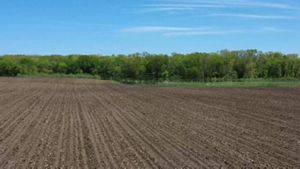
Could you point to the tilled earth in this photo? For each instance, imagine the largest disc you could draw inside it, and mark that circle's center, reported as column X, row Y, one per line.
column 79, row 123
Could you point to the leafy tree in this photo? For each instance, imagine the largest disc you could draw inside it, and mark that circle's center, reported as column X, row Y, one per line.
column 9, row 68
column 223, row 65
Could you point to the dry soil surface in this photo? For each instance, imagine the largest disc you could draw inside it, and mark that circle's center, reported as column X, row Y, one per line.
column 79, row 123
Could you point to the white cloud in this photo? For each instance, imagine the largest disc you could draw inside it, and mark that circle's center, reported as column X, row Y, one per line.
column 185, row 5
column 197, row 31
column 209, row 32
column 161, row 29
column 273, row 29
column 180, row 31
column 253, row 16
column 267, row 5
column 164, row 9
column 197, row 4
column 177, row 7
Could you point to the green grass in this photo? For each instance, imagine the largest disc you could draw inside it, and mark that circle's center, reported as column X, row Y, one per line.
column 237, row 84
column 247, row 83
column 83, row 76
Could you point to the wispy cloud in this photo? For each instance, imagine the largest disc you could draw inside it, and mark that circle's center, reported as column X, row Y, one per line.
column 162, row 29
column 264, row 5
column 185, row 5
column 179, row 31
column 181, row 5
column 204, row 32
column 273, row 29
column 234, row 3
column 177, row 7
column 253, row 16
column 165, row 9
column 194, row 31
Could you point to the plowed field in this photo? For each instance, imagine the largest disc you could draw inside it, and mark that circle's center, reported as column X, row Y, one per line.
column 79, row 123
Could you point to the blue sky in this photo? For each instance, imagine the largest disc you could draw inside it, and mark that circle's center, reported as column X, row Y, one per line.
column 155, row 26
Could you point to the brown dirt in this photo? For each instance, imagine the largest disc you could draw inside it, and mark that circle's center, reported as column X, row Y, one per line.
column 77, row 123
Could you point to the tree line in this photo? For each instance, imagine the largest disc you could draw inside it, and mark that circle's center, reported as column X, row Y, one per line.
column 223, row 65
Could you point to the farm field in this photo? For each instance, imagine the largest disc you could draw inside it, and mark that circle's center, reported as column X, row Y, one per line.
column 80, row 123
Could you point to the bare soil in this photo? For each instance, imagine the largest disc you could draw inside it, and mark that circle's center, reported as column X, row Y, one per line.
column 79, row 123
